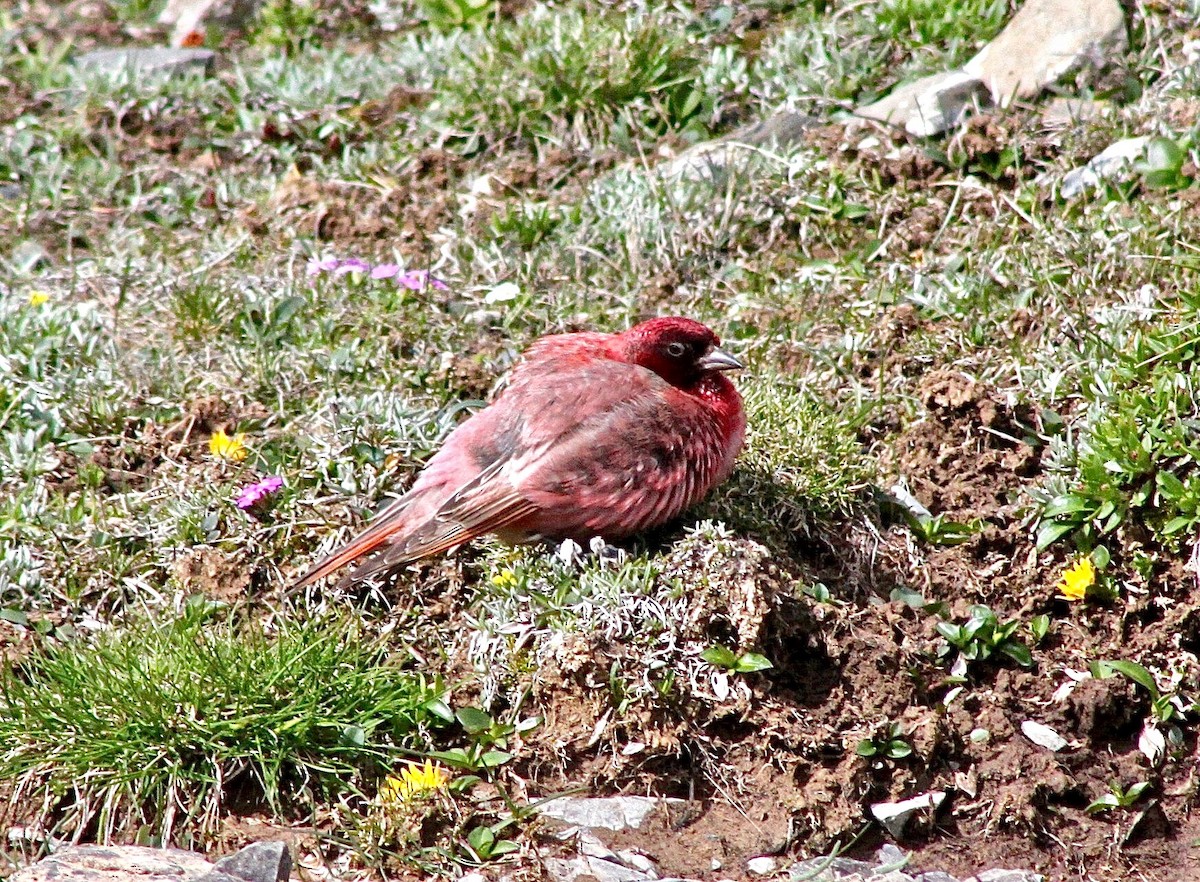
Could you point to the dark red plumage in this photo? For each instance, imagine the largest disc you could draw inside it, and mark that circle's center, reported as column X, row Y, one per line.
column 594, row 435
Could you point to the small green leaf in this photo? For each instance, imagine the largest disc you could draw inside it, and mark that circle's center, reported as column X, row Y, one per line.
column 494, row 758
column 15, row 616
column 353, row 736
column 751, row 662
column 473, row 720
column 1105, row 803
column 1102, row 669
column 1039, row 626
column 720, row 656
column 1018, row 652
column 866, row 748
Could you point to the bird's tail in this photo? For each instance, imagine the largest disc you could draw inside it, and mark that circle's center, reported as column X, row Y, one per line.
column 389, row 523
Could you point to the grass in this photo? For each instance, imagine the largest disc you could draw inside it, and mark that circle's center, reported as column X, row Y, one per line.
column 527, row 150
column 154, row 726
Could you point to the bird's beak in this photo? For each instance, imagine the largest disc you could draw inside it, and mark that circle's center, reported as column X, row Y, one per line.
column 718, row 360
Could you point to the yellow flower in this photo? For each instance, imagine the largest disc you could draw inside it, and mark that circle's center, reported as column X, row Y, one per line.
column 37, row 298
column 1077, row 579
column 505, row 579
column 224, row 447
column 413, row 781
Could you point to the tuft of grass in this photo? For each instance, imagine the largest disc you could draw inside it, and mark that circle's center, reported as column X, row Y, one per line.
column 158, row 725
column 554, row 68
column 802, row 458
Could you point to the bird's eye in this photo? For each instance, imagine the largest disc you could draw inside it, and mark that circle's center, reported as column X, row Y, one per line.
column 676, row 349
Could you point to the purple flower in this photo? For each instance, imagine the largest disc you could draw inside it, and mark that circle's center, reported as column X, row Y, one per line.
column 385, row 271
column 251, row 496
column 352, row 265
column 324, row 265
column 418, row 280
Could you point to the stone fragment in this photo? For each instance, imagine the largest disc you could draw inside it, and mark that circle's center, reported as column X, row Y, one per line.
column 1109, row 163
column 711, row 158
column 605, row 812
column 125, row 863
column 894, row 816
column 147, row 61
column 1006, row 876
column 258, row 862
column 930, row 105
column 1045, row 40
column 764, row 865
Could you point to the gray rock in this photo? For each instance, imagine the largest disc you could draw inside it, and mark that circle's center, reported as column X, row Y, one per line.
column 1061, row 113
column 28, row 256
column 764, row 865
column 822, row 869
column 197, row 16
column 583, row 867
column 605, row 813
column 930, row 105
column 126, row 863
column 894, row 816
column 711, row 158
column 1045, row 40
column 258, row 862
column 1108, row 163
column 147, row 61
column 1006, row 876
column 935, row 876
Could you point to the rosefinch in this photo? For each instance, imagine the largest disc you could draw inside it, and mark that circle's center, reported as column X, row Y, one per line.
column 594, row 435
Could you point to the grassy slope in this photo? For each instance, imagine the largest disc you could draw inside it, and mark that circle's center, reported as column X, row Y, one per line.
column 178, row 218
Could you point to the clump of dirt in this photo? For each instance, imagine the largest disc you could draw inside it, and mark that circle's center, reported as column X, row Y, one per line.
column 404, row 215
column 212, row 573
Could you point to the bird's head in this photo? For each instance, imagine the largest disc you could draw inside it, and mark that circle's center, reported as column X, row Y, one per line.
column 679, row 350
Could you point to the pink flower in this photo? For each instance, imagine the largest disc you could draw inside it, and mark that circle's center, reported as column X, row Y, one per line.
column 251, row 496
column 385, row 271
column 324, row 265
column 418, row 280
column 352, row 265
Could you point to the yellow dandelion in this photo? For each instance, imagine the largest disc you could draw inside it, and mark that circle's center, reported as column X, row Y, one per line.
column 223, row 447
column 37, row 298
column 1077, row 579
column 412, row 782
column 505, row 579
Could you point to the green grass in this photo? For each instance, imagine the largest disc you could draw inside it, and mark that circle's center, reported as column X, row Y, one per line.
column 156, row 724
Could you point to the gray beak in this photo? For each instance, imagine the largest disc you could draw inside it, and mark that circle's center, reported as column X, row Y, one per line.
column 718, row 360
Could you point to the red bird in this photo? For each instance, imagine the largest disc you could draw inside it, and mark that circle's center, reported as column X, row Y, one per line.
column 594, row 435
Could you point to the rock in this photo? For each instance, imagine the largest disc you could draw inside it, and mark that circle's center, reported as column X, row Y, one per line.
column 822, row 869
column 1006, row 876
column 193, row 18
column 1061, row 113
column 588, row 868
column 935, row 876
column 126, row 863
column 1045, row 40
column 764, row 865
column 28, row 256
column 258, row 862
column 894, row 816
column 930, row 105
column 1110, row 162
column 144, row 61
column 711, row 158
column 605, row 813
